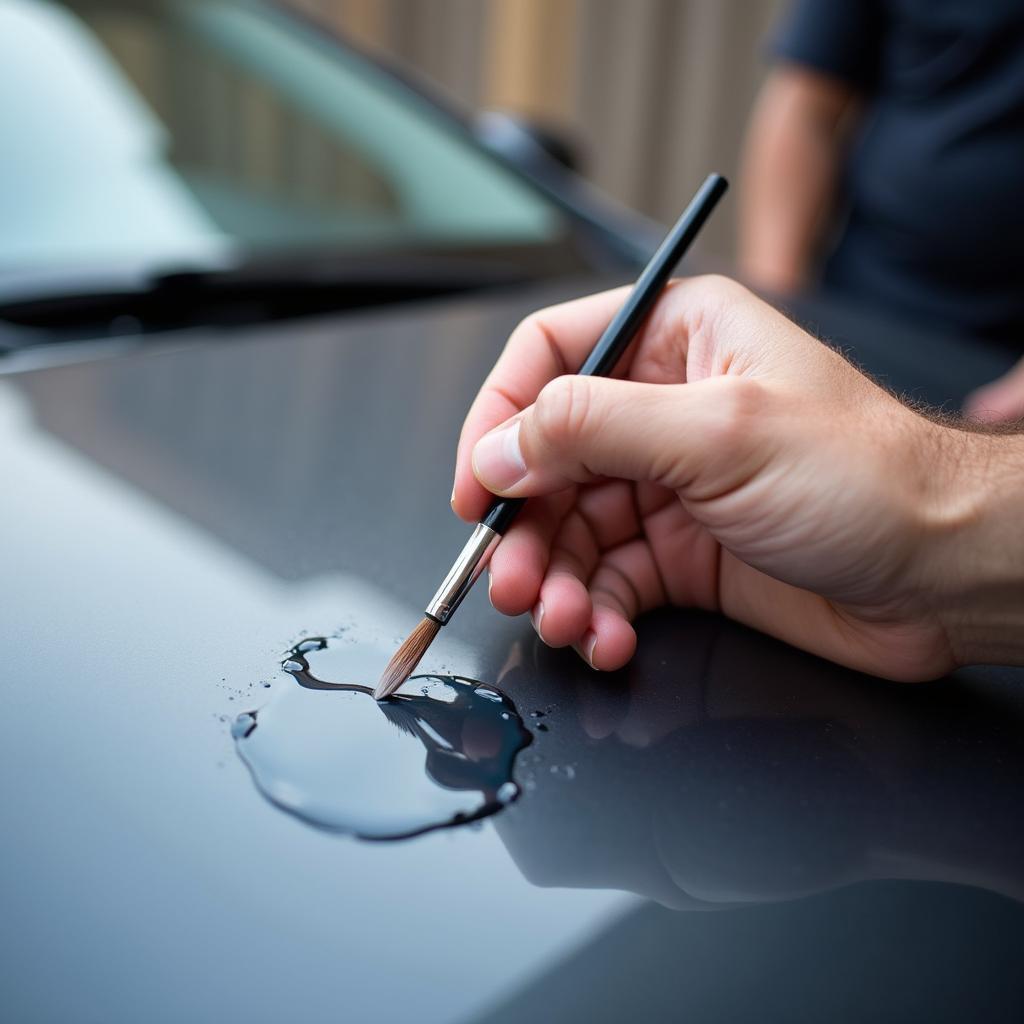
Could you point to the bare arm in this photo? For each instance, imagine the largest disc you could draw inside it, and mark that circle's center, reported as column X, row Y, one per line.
column 790, row 168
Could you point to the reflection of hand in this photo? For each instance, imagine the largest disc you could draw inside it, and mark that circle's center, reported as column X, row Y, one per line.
column 745, row 771
column 999, row 402
column 741, row 466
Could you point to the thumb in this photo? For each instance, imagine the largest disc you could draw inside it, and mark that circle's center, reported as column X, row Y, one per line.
column 683, row 436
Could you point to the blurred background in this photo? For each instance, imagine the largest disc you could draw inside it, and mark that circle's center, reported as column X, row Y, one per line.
column 882, row 150
column 652, row 93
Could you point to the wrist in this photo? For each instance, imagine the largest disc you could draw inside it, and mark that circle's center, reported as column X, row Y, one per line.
column 977, row 548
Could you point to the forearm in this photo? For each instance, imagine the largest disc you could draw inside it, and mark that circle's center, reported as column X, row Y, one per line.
column 982, row 589
column 790, row 170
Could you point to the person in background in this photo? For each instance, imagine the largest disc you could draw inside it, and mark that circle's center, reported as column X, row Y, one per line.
column 885, row 158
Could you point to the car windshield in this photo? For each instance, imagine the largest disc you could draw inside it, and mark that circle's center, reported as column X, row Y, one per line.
column 162, row 133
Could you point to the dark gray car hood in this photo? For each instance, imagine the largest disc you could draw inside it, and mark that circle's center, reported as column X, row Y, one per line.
column 172, row 520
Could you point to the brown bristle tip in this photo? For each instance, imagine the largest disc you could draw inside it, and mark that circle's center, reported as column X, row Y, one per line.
column 406, row 658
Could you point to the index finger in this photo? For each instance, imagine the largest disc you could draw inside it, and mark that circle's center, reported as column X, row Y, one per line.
column 547, row 344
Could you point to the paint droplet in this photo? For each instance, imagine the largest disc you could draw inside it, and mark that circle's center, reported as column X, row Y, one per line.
column 507, row 792
column 243, row 725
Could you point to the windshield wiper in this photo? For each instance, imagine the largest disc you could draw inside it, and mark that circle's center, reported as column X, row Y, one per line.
column 255, row 292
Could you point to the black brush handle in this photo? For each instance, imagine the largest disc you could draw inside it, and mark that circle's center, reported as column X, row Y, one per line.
column 500, row 515
column 612, row 344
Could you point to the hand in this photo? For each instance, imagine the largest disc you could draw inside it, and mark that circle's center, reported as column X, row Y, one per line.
column 738, row 465
column 999, row 402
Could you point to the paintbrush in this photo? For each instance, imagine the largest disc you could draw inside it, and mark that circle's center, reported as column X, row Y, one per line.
column 602, row 360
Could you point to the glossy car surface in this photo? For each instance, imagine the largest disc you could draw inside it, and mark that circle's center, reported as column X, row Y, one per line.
column 727, row 829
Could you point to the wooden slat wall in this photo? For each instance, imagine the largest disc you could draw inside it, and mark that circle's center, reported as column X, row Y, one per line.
column 657, row 91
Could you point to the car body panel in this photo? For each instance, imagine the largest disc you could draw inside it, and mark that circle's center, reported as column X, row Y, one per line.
column 174, row 519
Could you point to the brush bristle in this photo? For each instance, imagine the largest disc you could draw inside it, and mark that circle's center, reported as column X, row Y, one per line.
column 407, row 657
column 399, row 715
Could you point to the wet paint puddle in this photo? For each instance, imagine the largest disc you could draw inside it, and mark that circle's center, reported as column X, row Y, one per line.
column 439, row 753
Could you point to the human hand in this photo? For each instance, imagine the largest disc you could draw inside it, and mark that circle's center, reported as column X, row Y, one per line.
column 999, row 402
column 736, row 464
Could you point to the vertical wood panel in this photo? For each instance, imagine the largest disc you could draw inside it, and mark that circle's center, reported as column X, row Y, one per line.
column 531, row 57
column 616, row 104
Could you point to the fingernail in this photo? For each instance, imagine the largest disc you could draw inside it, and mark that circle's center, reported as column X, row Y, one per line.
column 538, row 618
column 490, row 583
column 451, row 500
column 586, row 647
column 498, row 460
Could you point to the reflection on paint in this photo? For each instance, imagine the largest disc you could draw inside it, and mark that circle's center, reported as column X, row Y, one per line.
column 330, row 754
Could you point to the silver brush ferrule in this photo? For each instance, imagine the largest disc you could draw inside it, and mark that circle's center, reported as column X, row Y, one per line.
column 463, row 574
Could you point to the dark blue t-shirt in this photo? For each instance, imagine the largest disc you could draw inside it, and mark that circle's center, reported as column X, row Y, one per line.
column 934, row 187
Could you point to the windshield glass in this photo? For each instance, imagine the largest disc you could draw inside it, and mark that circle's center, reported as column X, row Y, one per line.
column 162, row 132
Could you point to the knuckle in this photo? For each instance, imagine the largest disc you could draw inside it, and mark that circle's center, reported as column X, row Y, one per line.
column 527, row 323
column 739, row 405
column 563, row 410
column 533, row 323
column 720, row 288
column 530, row 326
